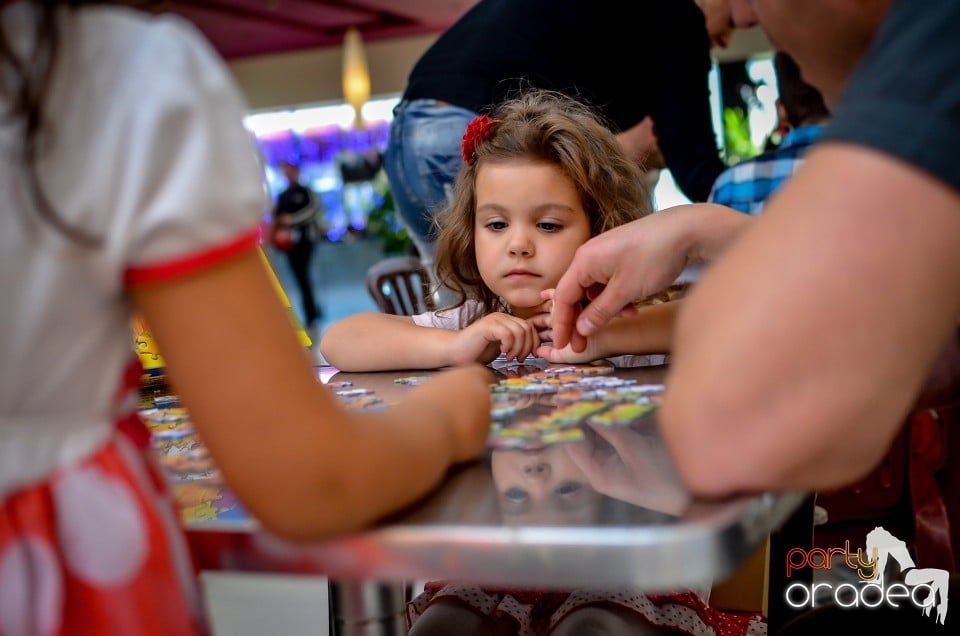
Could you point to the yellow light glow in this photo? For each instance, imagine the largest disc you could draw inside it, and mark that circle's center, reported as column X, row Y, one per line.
column 356, row 74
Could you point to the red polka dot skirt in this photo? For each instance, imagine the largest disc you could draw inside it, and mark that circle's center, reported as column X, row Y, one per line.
column 96, row 549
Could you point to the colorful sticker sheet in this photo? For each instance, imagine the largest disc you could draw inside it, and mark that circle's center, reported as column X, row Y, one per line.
column 195, row 480
column 551, row 405
column 533, row 405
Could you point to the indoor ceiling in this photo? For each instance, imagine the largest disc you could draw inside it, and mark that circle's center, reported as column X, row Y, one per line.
column 241, row 28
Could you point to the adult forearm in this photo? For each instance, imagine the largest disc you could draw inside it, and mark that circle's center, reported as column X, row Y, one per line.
column 712, row 229
column 798, row 355
column 942, row 386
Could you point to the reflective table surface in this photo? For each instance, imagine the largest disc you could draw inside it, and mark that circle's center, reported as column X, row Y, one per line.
column 604, row 510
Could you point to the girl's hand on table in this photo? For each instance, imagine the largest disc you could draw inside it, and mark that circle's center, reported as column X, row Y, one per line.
column 542, row 319
column 494, row 334
column 463, row 395
column 566, row 355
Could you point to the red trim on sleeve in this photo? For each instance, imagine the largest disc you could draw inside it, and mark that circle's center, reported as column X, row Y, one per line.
column 189, row 264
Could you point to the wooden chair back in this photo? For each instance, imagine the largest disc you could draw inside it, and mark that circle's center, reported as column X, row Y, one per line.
column 400, row 286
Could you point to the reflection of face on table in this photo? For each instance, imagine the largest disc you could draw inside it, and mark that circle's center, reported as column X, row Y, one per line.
column 574, row 482
column 577, row 483
column 563, row 483
column 543, row 486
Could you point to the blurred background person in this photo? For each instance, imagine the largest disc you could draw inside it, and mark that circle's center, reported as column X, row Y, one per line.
column 294, row 230
column 803, row 114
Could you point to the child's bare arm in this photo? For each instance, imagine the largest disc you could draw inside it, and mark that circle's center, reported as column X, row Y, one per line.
column 649, row 330
column 371, row 341
column 380, row 342
column 304, row 467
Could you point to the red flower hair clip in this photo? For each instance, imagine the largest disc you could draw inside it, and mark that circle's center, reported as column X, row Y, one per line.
column 480, row 129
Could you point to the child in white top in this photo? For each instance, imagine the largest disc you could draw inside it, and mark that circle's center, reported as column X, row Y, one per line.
column 129, row 183
column 541, row 176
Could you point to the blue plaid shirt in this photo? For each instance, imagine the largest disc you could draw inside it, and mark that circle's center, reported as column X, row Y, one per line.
column 747, row 185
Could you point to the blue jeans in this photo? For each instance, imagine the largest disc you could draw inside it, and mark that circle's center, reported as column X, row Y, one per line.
column 421, row 162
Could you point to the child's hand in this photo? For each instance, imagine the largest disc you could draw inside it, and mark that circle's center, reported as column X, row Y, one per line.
column 464, row 395
column 592, row 351
column 494, row 334
column 542, row 320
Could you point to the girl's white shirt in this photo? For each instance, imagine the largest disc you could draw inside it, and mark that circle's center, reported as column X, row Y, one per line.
column 147, row 151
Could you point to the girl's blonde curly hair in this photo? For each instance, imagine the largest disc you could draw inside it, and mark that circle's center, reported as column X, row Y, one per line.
column 551, row 128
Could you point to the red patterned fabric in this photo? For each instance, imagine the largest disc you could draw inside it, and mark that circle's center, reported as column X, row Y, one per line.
column 540, row 612
column 96, row 549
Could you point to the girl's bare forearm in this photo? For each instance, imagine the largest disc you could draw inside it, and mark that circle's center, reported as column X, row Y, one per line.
column 381, row 342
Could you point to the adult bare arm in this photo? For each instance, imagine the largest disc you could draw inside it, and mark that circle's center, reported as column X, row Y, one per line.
column 636, row 260
column 641, row 144
column 942, row 387
column 804, row 381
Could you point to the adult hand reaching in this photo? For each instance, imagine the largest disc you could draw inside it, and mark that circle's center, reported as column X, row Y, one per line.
column 634, row 261
column 543, row 321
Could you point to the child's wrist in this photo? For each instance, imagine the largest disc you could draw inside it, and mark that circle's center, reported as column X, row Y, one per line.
column 446, row 348
column 600, row 342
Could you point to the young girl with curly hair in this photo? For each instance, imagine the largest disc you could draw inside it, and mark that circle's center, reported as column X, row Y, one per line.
column 541, row 176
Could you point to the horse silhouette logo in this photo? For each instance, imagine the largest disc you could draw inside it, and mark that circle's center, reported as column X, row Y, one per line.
column 885, row 546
